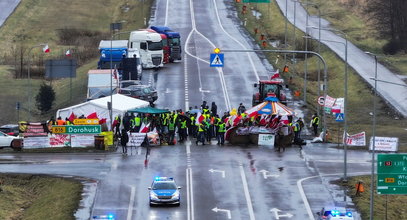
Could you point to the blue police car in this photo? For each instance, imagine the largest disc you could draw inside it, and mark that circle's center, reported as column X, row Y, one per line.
column 164, row 190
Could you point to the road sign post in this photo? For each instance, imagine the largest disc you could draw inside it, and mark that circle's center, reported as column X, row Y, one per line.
column 392, row 174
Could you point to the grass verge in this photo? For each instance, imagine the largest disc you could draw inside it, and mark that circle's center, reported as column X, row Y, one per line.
column 360, row 95
column 396, row 208
column 39, row 21
column 35, row 197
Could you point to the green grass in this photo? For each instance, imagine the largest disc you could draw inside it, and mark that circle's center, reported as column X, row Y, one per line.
column 396, row 208
column 360, row 96
column 34, row 197
column 360, row 30
column 39, row 21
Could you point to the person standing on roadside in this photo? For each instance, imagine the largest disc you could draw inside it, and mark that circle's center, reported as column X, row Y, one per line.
column 315, row 123
column 124, row 139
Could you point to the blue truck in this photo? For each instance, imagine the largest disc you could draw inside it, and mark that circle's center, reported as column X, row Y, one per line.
column 128, row 63
column 174, row 39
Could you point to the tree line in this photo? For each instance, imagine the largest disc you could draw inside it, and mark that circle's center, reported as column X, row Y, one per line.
column 390, row 19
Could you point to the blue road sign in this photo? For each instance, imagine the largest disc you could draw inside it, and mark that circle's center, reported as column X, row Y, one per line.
column 339, row 117
column 216, row 60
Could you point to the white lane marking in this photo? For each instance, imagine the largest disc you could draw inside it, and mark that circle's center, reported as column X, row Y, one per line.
column 192, row 195
column 216, row 209
column 188, row 196
column 188, row 150
column 186, row 83
column 304, row 197
column 166, row 14
column 220, row 71
column 277, row 216
column 131, row 203
column 246, row 193
column 267, row 174
column 150, row 79
column 218, row 171
column 248, row 55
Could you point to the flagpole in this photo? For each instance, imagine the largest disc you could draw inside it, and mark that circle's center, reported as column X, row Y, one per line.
column 29, row 79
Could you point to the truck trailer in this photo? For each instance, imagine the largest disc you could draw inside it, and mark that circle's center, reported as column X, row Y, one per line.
column 174, row 39
column 150, row 46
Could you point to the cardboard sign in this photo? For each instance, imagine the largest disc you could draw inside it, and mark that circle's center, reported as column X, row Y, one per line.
column 266, row 139
column 136, row 139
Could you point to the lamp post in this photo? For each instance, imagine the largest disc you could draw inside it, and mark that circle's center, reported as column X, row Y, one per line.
column 29, row 79
column 374, row 138
column 285, row 32
column 345, row 130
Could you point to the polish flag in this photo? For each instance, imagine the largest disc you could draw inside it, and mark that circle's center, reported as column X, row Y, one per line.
column 276, row 75
column 144, row 128
column 68, row 53
column 102, row 121
column 93, row 115
column 72, row 117
column 46, row 49
column 115, row 72
column 237, row 120
column 199, row 118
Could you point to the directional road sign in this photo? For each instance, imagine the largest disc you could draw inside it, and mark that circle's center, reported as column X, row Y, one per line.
column 392, row 173
column 339, row 117
column 216, row 60
column 76, row 129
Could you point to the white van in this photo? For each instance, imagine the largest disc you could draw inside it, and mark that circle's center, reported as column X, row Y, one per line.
column 150, row 47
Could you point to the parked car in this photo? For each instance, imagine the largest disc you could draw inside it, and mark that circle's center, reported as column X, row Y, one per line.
column 7, row 140
column 10, row 129
column 127, row 83
column 143, row 92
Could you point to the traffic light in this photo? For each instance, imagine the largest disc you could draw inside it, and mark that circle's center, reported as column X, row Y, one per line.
column 285, row 69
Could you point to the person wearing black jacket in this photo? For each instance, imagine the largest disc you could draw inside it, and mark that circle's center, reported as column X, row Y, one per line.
column 124, row 140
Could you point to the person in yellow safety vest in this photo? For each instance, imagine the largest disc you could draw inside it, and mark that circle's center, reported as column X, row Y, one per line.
column 183, row 130
column 192, row 127
column 67, row 122
column 201, row 133
column 315, row 123
column 171, row 130
column 297, row 130
column 136, row 123
column 221, row 133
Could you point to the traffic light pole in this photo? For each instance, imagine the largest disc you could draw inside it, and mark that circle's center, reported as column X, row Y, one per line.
column 299, row 52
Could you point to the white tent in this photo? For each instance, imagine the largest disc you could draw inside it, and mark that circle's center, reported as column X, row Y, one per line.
column 121, row 104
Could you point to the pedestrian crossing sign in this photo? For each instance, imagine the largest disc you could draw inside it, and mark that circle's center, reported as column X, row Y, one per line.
column 216, row 60
column 339, row 117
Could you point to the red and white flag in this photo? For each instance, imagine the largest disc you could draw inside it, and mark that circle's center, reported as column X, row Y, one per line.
column 199, row 118
column 115, row 72
column 144, row 128
column 93, row 115
column 68, row 53
column 46, row 49
column 276, row 74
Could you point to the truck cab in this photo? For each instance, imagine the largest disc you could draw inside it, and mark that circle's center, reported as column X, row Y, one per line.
column 174, row 39
column 150, row 46
column 114, row 51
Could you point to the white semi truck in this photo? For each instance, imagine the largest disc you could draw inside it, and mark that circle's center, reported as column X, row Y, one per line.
column 150, row 47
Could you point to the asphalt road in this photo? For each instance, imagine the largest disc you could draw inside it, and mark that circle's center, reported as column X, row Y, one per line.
column 7, row 7
column 364, row 64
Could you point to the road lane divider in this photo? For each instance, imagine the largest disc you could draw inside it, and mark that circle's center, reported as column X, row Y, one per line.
column 190, row 195
column 131, row 203
column 246, row 193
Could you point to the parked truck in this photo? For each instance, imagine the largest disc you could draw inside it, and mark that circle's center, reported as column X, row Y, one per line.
column 127, row 61
column 174, row 39
column 150, row 46
column 101, row 83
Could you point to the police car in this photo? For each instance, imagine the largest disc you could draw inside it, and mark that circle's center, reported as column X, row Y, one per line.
column 335, row 213
column 164, row 190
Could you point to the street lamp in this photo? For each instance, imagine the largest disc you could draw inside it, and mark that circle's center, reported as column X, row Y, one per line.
column 29, row 79
column 345, row 129
column 374, row 137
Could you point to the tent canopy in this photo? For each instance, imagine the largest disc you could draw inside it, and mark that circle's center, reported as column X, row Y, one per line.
column 270, row 106
column 120, row 105
column 149, row 110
